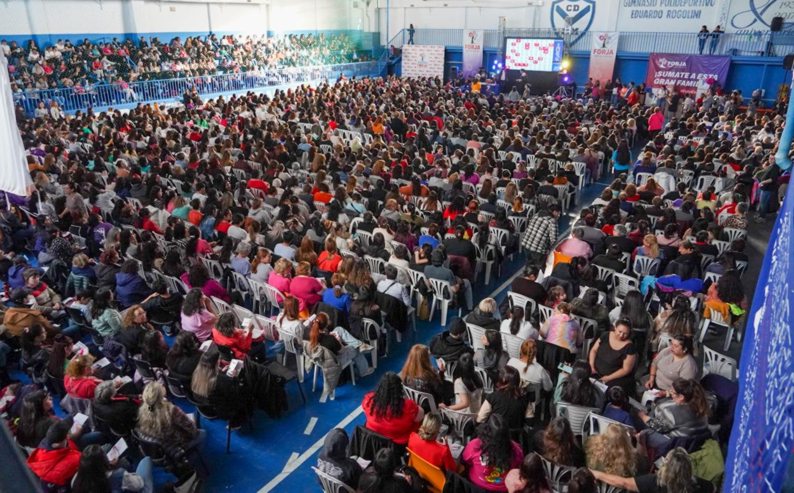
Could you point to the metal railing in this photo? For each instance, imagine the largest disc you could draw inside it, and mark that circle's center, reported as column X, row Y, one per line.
column 754, row 43
column 103, row 95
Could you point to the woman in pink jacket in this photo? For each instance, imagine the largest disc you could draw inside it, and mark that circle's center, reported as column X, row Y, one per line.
column 307, row 289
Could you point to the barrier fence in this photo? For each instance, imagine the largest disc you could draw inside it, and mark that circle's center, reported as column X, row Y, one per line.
column 103, row 95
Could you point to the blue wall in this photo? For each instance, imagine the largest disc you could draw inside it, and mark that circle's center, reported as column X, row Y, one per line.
column 746, row 73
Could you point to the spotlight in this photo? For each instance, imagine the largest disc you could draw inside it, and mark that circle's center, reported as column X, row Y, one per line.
column 566, row 79
column 566, row 63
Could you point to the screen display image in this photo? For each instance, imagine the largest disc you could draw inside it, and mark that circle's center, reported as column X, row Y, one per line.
column 537, row 55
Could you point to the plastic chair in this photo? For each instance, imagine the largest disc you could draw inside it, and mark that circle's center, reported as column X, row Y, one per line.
column 522, row 301
column 433, row 476
column 371, row 328
column 512, row 344
column 734, row 234
column 645, row 266
column 376, row 265
column 220, row 306
column 623, row 284
column 575, row 415
column 544, row 313
column 442, row 294
column 330, row 484
column 559, row 476
column 487, row 383
column 476, row 334
column 719, row 364
column 421, row 398
column 595, row 424
column 293, row 345
column 462, row 423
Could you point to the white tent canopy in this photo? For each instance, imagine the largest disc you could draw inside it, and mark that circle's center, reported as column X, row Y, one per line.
column 14, row 174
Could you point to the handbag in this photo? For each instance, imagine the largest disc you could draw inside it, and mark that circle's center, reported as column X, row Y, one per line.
column 424, row 310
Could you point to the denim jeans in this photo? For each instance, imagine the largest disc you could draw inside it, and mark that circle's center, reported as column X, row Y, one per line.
column 764, row 199
column 144, row 470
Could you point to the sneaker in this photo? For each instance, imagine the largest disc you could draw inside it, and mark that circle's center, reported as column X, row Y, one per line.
column 369, row 371
column 364, row 348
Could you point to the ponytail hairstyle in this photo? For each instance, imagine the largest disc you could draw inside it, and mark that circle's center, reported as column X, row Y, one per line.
column 320, row 324
column 693, row 394
column 529, row 350
column 337, row 281
column 516, row 319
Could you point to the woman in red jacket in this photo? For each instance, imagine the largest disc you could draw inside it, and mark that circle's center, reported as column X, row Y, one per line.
column 79, row 380
column 389, row 413
column 57, row 459
column 226, row 334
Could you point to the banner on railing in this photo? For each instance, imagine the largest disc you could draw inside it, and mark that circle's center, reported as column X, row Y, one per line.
column 423, row 61
column 686, row 73
column 763, row 430
column 602, row 56
column 472, row 51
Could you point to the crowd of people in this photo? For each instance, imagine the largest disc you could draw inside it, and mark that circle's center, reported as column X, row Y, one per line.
column 323, row 220
column 83, row 65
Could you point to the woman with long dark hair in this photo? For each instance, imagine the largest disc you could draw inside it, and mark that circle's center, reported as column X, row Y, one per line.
column 492, row 454
column 577, row 389
column 492, row 358
column 98, row 475
column 558, row 444
column 508, row 399
column 381, row 475
column 683, row 414
column 35, row 418
column 199, row 277
column 467, row 385
column 389, row 413
column 529, row 477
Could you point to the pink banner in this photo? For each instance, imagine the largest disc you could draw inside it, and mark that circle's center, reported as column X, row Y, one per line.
column 602, row 56
column 472, row 51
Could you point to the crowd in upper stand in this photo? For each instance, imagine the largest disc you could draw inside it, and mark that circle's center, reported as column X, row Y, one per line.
column 82, row 65
column 322, row 221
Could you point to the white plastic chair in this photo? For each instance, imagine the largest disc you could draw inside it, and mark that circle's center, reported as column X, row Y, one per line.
column 460, row 421
column 293, row 345
column 595, row 424
column 574, row 414
column 645, row 266
column 719, row 364
column 522, row 301
column 558, row 475
column 442, row 294
column 376, row 265
column 544, row 313
column 221, row 306
column 421, row 398
column 512, row 344
column 476, row 334
column 735, row 234
column 623, row 284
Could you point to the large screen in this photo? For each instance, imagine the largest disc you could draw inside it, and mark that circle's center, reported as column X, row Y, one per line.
column 537, row 55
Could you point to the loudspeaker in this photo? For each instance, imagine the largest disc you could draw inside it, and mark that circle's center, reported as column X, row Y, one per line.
column 788, row 61
column 777, row 24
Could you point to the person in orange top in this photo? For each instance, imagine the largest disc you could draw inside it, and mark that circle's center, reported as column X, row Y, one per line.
column 323, row 194
column 226, row 334
column 329, row 259
column 194, row 216
column 415, row 189
column 377, row 126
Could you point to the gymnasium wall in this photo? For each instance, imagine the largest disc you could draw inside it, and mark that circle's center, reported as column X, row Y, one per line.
column 46, row 21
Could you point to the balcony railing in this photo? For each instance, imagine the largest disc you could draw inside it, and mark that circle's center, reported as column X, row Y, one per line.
column 753, row 43
column 103, row 95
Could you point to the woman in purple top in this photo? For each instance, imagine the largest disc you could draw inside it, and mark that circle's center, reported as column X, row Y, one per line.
column 199, row 277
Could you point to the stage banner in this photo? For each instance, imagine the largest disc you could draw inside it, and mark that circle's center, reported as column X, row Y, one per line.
column 423, row 61
column 763, row 429
column 602, row 56
column 472, row 51
column 686, row 73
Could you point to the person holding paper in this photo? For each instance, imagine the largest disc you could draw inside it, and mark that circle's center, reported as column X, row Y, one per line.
column 98, row 473
column 117, row 410
column 197, row 315
column 214, row 387
column 226, row 334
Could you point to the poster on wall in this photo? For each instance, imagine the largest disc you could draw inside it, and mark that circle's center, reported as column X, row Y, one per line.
column 602, row 56
column 686, row 73
column 472, row 51
column 423, row 61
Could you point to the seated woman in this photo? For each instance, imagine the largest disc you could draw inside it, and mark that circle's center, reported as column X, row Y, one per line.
column 389, row 413
column 334, row 461
column 105, row 318
column 197, row 315
column 35, row 356
column 485, row 315
column 281, row 275
column 226, row 334
column 183, row 357
column 617, row 407
column 529, row 370
column 213, row 387
column 97, row 473
column 119, row 411
column 611, row 452
column 382, row 477
column 684, row 414
column 562, row 330
column 329, row 259
column 509, row 400
column 493, row 358
column 35, row 419
column 79, row 380
column 343, row 348
column 613, row 357
column 335, row 295
column 588, row 306
column 134, row 326
column 518, row 325
column 130, row 286
column 418, row 373
column 165, row 423
column 426, row 444
column 577, row 389
column 289, row 321
column 529, row 477
column 671, row 363
column 675, row 474
column 726, row 297
column 199, row 277
column 467, row 386
column 306, row 288
column 491, row 455
column 558, row 444
column 154, row 349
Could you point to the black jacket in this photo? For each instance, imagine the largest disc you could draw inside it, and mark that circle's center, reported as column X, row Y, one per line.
column 486, row 321
column 685, row 266
column 121, row 414
column 448, row 348
column 106, row 276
